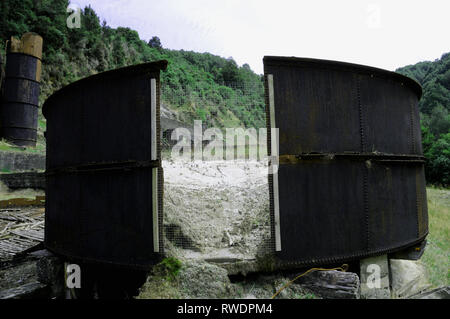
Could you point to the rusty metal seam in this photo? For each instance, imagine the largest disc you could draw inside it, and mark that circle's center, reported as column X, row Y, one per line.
column 361, row 117
column 155, row 209
column 269, row 153
column 350, row 257
column 366, row 170
column 274, row 154
column 366, row 205
column 378, row 157
column 161, row 207
column 160, row 169
column 411, row 123
column 5, row 102
column 153, row 121
column 266, row 98
column 99, row 167
column 22, row 78
column 418, row 204
column 158, row 114
column 25, row 54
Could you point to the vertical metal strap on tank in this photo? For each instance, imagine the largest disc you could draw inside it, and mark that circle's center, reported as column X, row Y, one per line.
column 274, row 162
column 155, row 209
column 154, row 156
column 154, row 149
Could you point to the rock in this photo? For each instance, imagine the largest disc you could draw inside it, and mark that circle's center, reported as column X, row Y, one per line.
column 374, row 274
column 27, row 291
column 408, row 278
column 167, row 113
column 36, row 275
column 438, row 293
column 50, row 270
column 195, row 279
column 238, row 267
column 203, row 280
column 17, row 274
column 332, row 284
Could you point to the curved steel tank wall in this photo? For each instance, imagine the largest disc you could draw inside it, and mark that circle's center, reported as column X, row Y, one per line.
column 103, row 168
column 19, row 112
column 350, row 181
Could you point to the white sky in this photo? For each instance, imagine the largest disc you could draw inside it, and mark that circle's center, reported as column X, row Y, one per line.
column 385, row 34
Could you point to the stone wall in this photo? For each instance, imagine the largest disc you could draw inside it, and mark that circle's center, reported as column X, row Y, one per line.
column 33, row 180
column 19, row 161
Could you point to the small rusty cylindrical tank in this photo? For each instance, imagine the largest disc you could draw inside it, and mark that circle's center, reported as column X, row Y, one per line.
column 350, row 176
column 19, row 112
column 103, row 168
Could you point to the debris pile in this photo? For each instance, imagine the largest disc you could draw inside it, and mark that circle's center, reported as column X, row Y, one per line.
column 20, row 229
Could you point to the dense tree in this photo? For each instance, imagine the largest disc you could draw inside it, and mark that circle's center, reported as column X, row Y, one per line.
column 435, row 80
column 438, row 160
column 435, row 115
column 155, row 42
column 194, row 82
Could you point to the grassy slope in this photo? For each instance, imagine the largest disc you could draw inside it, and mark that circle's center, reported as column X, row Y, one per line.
column 437, row 254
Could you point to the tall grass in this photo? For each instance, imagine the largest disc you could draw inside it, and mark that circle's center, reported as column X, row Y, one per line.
column 437, row 253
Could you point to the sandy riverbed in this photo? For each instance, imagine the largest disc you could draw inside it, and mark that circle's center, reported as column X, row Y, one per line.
column 216, row 209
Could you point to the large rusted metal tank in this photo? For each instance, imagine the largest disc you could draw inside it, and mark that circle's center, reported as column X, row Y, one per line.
column 350, row 181
column 19, row 111
column 103, row 168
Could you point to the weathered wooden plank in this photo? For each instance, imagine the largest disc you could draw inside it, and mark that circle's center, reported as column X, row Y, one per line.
column 332, row 284
column 29, row 234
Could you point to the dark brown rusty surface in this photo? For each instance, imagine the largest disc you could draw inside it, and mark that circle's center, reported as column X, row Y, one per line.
column 323, row 109
column 106, row 118
column 19, row 111
column 99, row 152
column 351, row 177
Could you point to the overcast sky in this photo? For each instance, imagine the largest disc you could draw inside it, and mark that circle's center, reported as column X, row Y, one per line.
column 385, row 34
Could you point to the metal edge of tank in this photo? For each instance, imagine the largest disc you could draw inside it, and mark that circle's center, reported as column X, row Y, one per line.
column 344, row 66
column 332, row 260
column 76, row 258
column 143, row 68
column 53, row 102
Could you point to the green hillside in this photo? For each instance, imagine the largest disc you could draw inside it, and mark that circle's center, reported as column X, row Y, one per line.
column 196, row 85
column 435, row 115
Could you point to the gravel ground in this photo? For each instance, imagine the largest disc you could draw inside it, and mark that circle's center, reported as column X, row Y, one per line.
column 216, row 210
